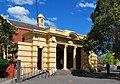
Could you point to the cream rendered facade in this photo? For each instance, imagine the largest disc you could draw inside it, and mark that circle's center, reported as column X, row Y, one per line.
column 48, row 40
column 51, row 49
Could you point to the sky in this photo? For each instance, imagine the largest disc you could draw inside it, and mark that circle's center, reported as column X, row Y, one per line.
column 71, row 15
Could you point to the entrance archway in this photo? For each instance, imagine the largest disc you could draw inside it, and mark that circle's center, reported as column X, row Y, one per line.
column 59, row 56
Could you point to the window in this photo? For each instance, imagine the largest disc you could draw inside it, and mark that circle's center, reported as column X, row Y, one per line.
column 23, row 39
column 41, row 20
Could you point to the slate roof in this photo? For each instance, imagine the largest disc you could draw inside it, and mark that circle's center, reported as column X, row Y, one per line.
column 24, row 25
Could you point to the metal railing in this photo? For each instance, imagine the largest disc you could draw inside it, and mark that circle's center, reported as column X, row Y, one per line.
column 26, row 72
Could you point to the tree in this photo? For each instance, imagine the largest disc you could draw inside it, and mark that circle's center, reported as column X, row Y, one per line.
column 7, row 30
column 109, row 58
column 104, row 36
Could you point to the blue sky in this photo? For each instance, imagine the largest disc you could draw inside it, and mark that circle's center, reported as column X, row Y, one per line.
column 72, row 15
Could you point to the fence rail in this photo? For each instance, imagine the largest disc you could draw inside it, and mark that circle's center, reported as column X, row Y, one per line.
column 26, row 72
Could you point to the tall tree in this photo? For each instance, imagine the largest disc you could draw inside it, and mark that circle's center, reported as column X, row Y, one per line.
column 7, row 30
column 105, row 33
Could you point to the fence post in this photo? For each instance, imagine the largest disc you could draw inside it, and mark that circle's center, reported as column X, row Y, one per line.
column 18, row 70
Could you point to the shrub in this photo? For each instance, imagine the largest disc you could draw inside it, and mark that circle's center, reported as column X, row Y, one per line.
column 3, row 65
column 99, row 69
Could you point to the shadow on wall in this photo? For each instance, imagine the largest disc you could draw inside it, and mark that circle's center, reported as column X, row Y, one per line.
column 103, row 75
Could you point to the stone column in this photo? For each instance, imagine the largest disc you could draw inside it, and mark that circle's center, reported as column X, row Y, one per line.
column 74, row 57
column 65, row 58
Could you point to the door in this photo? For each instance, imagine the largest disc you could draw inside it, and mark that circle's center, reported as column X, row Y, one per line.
column 39, row 59
column 70, row 57
column 59, row 58
column 78, row 58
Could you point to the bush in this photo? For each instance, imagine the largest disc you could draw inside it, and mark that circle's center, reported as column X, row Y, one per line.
column 99, row 69
column 3, row 65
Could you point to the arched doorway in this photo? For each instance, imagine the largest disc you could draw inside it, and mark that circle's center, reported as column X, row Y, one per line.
column 59, row 57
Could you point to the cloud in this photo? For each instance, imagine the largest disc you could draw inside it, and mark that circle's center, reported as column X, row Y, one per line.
column 42, row 2
column 21, row 15
column 7, row 16
column 88, row 19
column 22, row 2
column 53, row 18
column 26, row 19
column 14, row 10
column 86, row 5
column 50, row 21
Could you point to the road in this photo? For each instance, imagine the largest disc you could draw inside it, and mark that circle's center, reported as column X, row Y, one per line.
column 70, row 79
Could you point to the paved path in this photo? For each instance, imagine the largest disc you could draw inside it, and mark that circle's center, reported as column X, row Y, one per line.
column 74, row 77
column 70, row 79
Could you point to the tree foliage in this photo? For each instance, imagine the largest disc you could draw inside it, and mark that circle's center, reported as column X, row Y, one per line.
column 7, row 30
column 3, row 63
column 109, row 58
column 105, row 33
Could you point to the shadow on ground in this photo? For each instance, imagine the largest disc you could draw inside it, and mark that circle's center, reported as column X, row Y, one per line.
column 103, row 75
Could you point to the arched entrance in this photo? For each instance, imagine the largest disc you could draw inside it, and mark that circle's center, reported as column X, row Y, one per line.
column 59, row 56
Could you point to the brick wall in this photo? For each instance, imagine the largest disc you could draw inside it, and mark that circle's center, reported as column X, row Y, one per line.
column 18, row 38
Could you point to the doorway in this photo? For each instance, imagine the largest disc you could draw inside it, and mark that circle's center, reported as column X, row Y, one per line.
column 59, row 56
column 78, row 58
column 70, row 57
column 39, row 59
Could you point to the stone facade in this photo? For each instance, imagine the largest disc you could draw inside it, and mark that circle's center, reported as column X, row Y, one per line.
column 52, row 49
column 49, row 48
column 50, row 41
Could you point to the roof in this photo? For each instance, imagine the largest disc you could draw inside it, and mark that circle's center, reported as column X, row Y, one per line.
column 41, row 15
column 25, row 25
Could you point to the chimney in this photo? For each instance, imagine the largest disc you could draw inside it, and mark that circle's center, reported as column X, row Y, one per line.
column 40, row 20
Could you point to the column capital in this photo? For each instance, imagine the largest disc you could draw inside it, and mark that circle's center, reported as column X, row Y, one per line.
column 66, row 45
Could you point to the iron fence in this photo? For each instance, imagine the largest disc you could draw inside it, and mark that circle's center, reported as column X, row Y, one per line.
column 26, row 72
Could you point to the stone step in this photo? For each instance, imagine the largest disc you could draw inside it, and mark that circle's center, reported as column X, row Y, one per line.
column 63, row 72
